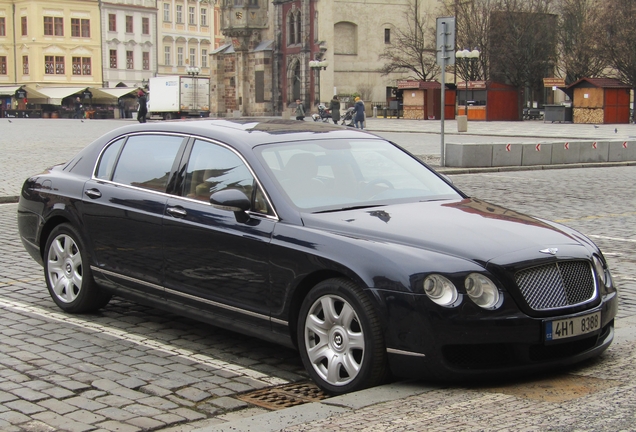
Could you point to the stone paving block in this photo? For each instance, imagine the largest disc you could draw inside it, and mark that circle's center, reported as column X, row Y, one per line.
column 228, row 403
column 143, row 410
column 73, row 385
column 85, row 403
column 157, row 402
column 29, row 394
column 6, row 397
column 155, row 390
column 24, row 407
column 131, row 383
column 115, row 401
column 14, row 417
column 57, row 406
column 118, row 426
column 84, row 416
column 62, row 422
column 116, row 414
column 169, row 418
column 58, row 393
column 193, row 394
column 188, row 414
column 146, row 423
column 594, row 151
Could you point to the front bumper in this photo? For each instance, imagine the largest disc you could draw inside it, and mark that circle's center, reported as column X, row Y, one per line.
column 469, row 343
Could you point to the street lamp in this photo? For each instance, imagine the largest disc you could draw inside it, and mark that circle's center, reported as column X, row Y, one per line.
column 317, row 65
column 469, row 57
column 193, row 71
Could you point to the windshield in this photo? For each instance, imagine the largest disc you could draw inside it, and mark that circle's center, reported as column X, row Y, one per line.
column 341, row 174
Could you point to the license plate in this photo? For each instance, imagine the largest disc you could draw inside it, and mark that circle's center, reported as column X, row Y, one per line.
column 571, row 327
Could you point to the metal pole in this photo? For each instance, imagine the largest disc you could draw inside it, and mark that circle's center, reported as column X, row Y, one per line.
column 466, row 101
column 443, row 96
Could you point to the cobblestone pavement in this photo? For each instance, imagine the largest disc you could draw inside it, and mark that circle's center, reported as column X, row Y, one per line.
column 132, row 368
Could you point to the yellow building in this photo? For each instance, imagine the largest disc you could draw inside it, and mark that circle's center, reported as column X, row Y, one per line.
column 46, row 44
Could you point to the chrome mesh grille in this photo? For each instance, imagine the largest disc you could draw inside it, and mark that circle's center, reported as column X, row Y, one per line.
column 557, row 285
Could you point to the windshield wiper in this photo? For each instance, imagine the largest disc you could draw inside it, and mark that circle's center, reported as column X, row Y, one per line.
column 349, row 208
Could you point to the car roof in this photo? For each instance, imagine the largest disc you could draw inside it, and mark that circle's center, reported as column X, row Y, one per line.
column 247, row 133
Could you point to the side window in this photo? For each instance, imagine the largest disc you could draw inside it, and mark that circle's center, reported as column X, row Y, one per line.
column 146, row 161
column 212, row 168
column 107, row 162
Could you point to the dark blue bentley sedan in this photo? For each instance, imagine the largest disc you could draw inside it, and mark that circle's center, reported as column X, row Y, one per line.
column 328, row 239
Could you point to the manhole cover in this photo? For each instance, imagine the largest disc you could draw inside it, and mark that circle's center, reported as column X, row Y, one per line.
column 284, row 396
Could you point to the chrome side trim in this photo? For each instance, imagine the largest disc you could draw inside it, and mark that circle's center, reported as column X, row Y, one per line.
column 408, row 353
column 191, row 297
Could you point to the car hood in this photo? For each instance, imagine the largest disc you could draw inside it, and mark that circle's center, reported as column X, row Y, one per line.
column 467, row 228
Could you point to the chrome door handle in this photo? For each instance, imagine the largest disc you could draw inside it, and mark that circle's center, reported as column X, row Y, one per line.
column 177, row 212
column 93, row 193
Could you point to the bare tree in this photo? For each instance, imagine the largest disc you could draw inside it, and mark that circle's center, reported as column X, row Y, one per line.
column 619, row 19
column 413, row 50
column 581, row 52
column 523, row 45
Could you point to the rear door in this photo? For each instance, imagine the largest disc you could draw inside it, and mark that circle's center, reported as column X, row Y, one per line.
column 124, row 205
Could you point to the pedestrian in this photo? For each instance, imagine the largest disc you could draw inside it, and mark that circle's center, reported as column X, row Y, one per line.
column 358, row 116
column 78, row 108
column 334, row 107
column 122, row 108
column 300, row 110
column 143, row 110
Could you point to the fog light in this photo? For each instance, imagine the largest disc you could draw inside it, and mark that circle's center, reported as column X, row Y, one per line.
column 482, row 291
column 440, row 290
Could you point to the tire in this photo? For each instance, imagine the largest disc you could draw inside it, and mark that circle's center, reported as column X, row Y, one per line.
column 340, row 338
column 168, row 116
column 68, row 275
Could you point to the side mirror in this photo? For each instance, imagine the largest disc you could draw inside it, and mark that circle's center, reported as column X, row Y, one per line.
column 232, row 200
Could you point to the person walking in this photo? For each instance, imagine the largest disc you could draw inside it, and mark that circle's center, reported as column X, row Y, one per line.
column 334, row 107
column 300, row 110
column 78, row 108
column 143, row 110
column 122, row 108
column 358, row 116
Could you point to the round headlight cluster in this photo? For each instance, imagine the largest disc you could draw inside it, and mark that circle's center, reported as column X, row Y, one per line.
column 482, row 291
column 600, row 269
column 440, row 290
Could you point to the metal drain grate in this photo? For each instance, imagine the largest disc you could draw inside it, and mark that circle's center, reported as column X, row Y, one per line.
column 284, row 396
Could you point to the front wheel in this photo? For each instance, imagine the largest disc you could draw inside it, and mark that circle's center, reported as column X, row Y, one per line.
column 68, row 274
column 340, row 338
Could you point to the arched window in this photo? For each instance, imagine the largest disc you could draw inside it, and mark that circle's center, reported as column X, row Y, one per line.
column 316, row 26
column 291, row 29
column 346, row 33
column 299, row 27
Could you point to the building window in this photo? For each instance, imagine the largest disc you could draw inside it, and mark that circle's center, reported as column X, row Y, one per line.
column 75, row 27
column 145, row 60
column 80, row 28
column 180, row 56
column 25, row 65
column 145, row 26
column 54, row 65
column 387, row 36
column 58, row 23
column 129, row 24
column 204, row 17
column 3, row 65
column 48, row 26
column 53, row 26
column 23, row 22
column 113, row 59
column 253, row 2
column 86, row 66
column 166, row 55
column 204, row 58
column 316, row 27
column 112, row 22
column 259, row 86
column 298, row 28
column 179, row 14
column 291, row 29
column 166, row 12
column 3, row 29
column 193, row 57
column 130, row 64
column 191, row 16
column 86, row 28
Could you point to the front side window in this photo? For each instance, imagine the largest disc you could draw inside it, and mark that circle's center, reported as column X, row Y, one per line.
column 58, row 23
column 204, row 58
column 213, row 168
column 54, row 65
column 145, row 161
column 108, row 159
column 86, row 28
column 48, row 26
column 193, row 56
column 75, row 27
column 81, row 65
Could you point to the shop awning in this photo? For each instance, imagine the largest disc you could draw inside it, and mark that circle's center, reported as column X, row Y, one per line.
column 8, row 90
column 52, row 95
column 111, row 95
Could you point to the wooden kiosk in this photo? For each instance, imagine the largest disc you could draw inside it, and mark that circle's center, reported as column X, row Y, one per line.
column 600, row 100
column 422, row 100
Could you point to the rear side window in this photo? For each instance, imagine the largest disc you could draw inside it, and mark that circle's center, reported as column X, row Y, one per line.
column 107, row 162
column 146, row 161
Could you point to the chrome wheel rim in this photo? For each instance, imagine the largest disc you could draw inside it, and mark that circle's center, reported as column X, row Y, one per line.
column 334, row 340
column 64, row 268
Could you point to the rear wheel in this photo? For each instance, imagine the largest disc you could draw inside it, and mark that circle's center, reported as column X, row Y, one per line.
column 340, row 338
column 167, row 116
column 68, row 274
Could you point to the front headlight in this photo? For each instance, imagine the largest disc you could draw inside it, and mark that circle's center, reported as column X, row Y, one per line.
column 600, row 269
column 440, row 290
column 482, row 291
